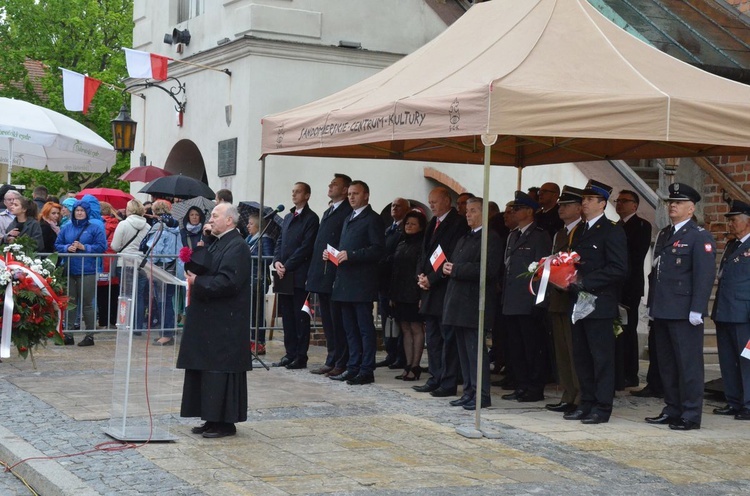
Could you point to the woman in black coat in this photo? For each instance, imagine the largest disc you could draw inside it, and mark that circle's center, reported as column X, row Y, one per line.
column 404, row 293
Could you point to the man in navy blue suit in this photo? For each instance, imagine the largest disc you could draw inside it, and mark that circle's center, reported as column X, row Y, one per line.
column 294, row 250
column 732, row 314
column 356, row 286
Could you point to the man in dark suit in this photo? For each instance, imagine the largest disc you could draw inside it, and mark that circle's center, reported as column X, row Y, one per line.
column 569, row 208
column 444, row 230
column 461, row 311
column 294, row 250
column 732, row 314
column 216, row 339
column 356, row 285
column 638, row 234
column 601, row 271
column 322, row 273
column 527, row 243
column 461, row 202
column 681, row 282
column 395, row 358
column 547, row 216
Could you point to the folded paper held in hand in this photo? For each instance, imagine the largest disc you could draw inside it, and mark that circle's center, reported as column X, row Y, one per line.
column 437, row 258
column 333, row 254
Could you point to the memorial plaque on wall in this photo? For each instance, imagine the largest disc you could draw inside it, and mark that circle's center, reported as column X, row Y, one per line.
column 228, row 157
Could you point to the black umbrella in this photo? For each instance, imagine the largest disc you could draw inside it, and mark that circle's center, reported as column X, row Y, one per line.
column 179, row 187
column 179, row 209
column 247, row 208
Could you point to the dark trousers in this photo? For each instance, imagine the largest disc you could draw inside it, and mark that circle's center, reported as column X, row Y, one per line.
column 680, row 348
column 626, row 348
column 594, row 353
column 106, row 304
column 258, row 313
column 296, row 324
column 653, row 378
column 466, row 344
column 360, row 335
column 394, row 347
column 333, row 327
column 735, row 370
column 527, row 343
column 562, row 334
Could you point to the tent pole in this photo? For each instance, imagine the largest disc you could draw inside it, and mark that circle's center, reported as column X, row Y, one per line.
column 260, row 298
column 519, row 177
column 488, row 141
column 10, row 157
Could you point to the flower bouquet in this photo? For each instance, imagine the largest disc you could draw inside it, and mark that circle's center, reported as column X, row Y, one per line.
column 33, row 295
column 558, row 269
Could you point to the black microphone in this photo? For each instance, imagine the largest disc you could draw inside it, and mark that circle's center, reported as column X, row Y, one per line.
column 270, row 215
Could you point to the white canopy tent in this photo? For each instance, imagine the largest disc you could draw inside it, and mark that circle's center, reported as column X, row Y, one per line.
column 539, row 82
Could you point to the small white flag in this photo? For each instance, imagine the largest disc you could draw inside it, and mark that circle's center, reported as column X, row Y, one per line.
column 307, row 309
column 437, row 258
column 746, row 352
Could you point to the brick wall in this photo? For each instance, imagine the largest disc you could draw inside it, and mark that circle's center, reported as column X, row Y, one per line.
column 714, row 206
column 741, row 5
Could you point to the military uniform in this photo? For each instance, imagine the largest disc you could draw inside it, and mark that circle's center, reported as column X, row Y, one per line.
column 681, row 281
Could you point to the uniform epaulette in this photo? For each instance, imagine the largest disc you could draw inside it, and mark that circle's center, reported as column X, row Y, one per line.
column 700, row 228
column 539, row 228
column 612, row 222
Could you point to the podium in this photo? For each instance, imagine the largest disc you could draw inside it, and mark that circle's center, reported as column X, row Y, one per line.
column 145, row 387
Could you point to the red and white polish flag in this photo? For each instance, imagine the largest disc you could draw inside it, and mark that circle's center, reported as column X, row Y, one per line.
column 78, row 90
column 307, row 308
column 146, row 65
column 437, row 258
column 746, row 352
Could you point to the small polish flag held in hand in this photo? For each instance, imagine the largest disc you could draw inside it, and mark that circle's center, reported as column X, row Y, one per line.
column 437, row 258
column 146, row 65
column 307, row 308
column 78, row 90
column 746, row 352
column 333, row 254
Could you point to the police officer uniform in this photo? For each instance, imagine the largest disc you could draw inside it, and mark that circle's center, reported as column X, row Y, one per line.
column 731, row 313
column 681, row 281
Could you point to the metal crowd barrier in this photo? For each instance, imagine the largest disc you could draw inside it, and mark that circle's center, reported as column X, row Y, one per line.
column 103, row 289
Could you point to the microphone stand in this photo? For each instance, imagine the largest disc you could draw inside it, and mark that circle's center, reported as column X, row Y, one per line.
column 260, row 277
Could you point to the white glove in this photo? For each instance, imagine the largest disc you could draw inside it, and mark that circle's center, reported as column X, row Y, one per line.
column 695, row 318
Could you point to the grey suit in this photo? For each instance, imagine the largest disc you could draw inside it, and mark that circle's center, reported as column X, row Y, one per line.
column 731, row 313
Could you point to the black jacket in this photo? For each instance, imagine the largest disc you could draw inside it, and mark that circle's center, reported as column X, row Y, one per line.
column 462, row 294
column 638, row 234
column 363, row 240
column 447, row 235
column 530, row 246
column 294, row 247
column 403, row 284
column 321, row 274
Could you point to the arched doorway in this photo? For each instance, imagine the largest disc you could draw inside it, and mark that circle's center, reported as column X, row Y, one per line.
column 185, row 158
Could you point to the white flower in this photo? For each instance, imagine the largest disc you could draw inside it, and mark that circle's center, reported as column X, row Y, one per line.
column 533, row 266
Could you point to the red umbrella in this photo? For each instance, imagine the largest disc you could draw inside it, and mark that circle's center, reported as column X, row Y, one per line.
column 118, row 199
column 144, row 174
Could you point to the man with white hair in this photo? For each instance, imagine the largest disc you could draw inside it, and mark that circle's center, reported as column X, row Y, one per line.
column 216, row 338
column 5, row 216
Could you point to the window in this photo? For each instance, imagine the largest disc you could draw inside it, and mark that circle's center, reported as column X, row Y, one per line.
column 187, row 9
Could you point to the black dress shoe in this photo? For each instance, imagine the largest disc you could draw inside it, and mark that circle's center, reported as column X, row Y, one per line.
column 560, row 407
column 202, row 428
column 68, row 340
column 647, row 392
column 631, row 382
column 361, row 379
column 297, row 364
column 425, row 388
column 662, row 419
column 384, row 363
column 472, row 404
column 743, row 414
column 282, row 363
column 530, row 398
column 322, row 370
column 220, row 430
column 505, row 384
column 462, row 400
column 594, row 418
column 514, row 395
column 576, row 415
column 442, row 393
column 727, row 410
column 344, row 376
column 87, row 341
column 684, row 425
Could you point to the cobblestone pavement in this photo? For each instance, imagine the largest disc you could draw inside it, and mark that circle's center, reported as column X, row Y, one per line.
column 309, row 435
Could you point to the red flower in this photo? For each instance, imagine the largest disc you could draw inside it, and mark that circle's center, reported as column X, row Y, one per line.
column 185, row 254
column 23, row 349
column 50, row 334
column 16, row 317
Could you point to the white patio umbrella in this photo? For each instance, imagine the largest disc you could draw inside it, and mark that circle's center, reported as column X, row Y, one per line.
column 33, row 136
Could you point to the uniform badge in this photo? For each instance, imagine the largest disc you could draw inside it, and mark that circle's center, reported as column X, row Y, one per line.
column 708, row 247
column 678, row 261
